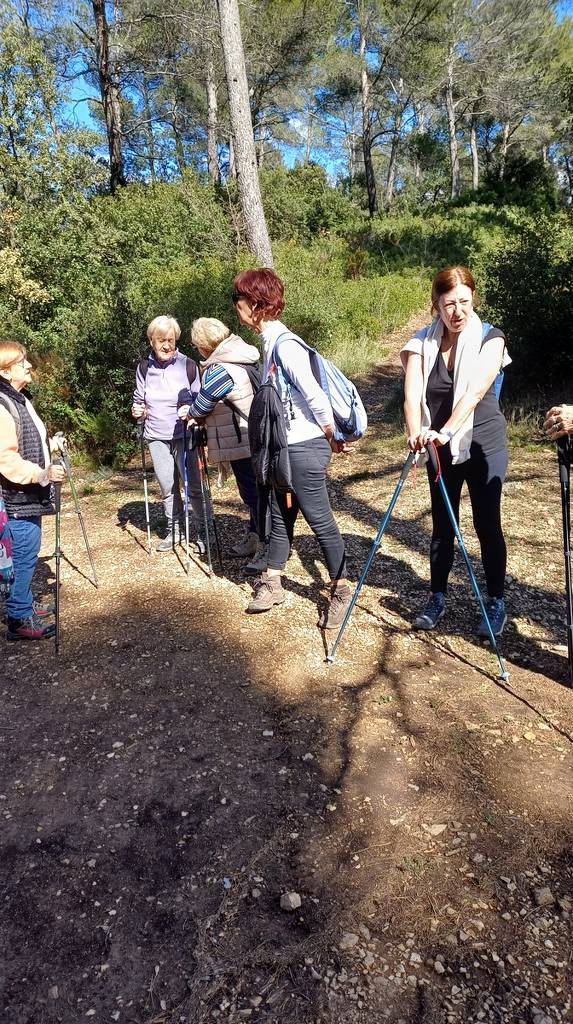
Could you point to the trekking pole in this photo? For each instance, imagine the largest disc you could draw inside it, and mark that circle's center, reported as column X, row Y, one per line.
column 58, row 557
column 59, row 439
column 145, row 492
column 564, row 463
column 186, row 496
column 203, row 456
column 435, row 461
column 412, row 458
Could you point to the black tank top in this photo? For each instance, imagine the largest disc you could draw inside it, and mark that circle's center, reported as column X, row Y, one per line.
column 489, row 430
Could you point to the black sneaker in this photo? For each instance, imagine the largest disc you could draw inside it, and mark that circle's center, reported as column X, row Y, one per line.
column 30, row 629
column 432, row 613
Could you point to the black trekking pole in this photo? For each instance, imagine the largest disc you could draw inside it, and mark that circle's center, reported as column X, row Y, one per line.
column 412, row 458
column 186, row 495
column 58, row 557
column 199, row 439
column 434, row 459
column 564, row 463
column 145, row 492
column 58, row 438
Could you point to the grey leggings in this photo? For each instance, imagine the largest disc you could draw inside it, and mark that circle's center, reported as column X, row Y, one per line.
column 163, row 455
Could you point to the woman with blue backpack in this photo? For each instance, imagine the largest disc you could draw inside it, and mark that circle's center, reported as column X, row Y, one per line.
column 258, row 297
column 453, row 377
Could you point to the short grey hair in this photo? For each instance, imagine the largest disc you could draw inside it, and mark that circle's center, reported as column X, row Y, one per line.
column 207, row 333
column 163, row 324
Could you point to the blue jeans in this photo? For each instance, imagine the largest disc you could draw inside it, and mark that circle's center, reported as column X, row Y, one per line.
column 26, row 537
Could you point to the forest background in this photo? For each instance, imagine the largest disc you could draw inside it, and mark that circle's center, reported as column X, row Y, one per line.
column 387, row 138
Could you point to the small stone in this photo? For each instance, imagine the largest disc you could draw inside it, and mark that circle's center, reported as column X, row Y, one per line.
column 529, row 736
column 290, row 901
column 268, row 732
column 53, row 992
column 478, row 858
column 255, row 893
column 543, row 897
column 415, row 958
column 439, row 967
column 348, row 940
column 255, row 1001
column 369, row 959
column 435, row 830
column 364, row 931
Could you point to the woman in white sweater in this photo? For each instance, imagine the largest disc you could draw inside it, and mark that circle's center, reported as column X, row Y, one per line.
column 259, row 300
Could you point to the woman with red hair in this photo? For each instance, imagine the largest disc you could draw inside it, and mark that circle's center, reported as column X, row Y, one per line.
column 259, row 300
column 451, row 399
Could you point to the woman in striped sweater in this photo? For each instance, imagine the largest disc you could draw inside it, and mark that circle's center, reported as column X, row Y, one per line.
column 228, row 368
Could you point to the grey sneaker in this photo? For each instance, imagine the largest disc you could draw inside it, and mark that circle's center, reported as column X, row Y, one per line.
column 258, row 563
column 169, row 540
column 339, row 601
column 269, row 592
column 432, row 613
column 247, row 547
column 495, row 608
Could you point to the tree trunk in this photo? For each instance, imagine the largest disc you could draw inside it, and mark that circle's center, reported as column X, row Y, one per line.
column 503, row 149
column 242, row 129
column 474, row 152
column 232, row 161
column 149, row 129
column 367, row 130
column 179, row 148
column 109, row 89
column 308, row 144
column 569, row 173
column 212, row 123
column 393, row 162
column 451, row 115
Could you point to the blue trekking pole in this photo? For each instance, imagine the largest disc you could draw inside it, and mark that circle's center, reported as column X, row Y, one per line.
column 503, row 674
column 186, row 496
column 412, row 458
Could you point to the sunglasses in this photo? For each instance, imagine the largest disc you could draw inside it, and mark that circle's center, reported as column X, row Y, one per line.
column 23, row 362
column 235, row 297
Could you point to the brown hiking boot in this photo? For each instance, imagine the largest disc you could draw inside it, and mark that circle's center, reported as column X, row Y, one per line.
column 269, row 592
column 339, row 601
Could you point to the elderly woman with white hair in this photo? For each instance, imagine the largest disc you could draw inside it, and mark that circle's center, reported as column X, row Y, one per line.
column 158, row 380
column 229, row 369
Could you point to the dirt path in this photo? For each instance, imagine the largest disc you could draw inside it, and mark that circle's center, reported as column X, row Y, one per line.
column 181, row 766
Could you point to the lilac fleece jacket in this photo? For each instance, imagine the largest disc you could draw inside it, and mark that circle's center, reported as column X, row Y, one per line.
column 160, row 391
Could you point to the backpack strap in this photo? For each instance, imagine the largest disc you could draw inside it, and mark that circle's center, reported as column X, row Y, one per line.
column 12, row 408
column 191, row 366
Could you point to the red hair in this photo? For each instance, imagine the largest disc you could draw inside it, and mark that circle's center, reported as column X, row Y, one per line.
column 448, row 279
column 263, row 290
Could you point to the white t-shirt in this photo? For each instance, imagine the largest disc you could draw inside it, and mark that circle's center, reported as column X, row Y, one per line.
column 310, row 407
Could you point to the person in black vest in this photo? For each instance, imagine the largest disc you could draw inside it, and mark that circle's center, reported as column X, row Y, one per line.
column 25, row 477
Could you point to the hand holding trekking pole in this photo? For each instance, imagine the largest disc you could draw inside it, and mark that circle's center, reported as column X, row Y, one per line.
column 559, row 422
column 138, row 411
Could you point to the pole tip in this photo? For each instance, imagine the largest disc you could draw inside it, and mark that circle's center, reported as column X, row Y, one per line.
column 329, row 659
column 504, row 676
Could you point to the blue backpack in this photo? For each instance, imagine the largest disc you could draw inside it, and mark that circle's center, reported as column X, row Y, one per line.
column 349, row 414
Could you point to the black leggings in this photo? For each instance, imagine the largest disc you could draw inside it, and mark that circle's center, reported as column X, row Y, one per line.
column 484, row 475
column 308, row 462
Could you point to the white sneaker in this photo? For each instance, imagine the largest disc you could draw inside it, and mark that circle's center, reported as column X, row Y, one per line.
column 258, row 563
column 246, row 547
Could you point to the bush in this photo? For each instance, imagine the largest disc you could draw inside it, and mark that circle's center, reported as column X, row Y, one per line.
column 528, row 290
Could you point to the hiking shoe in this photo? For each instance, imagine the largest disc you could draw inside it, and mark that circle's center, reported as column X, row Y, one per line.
column 269, row 592
column 258, row 563
column 432, row 613
column 339, row 601
column 169, row 541
column 43, row 608
column 30, row 629
column 247, row 547
column 495, row 608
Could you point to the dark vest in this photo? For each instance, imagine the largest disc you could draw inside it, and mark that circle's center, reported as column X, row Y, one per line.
column 24, row 499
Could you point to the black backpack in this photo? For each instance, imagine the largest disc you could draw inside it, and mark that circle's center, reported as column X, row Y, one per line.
column 268, row 439
column 253, row 371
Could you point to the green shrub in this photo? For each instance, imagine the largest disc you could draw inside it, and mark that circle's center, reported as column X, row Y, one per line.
column 528, row 289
